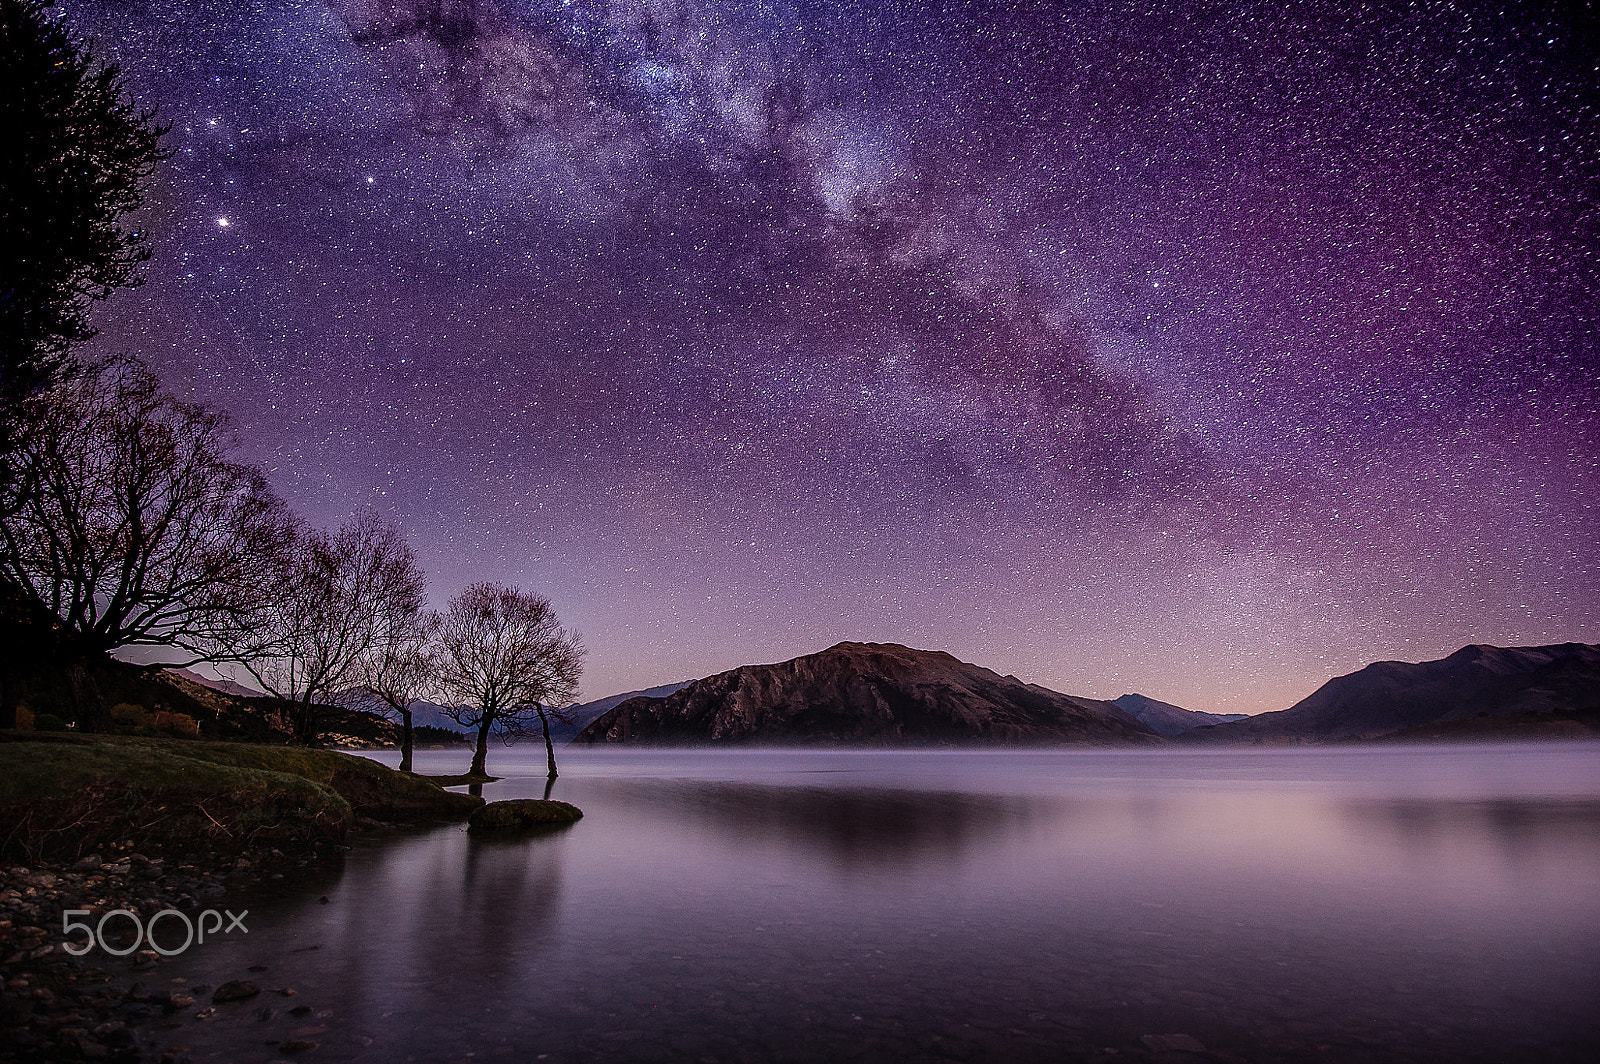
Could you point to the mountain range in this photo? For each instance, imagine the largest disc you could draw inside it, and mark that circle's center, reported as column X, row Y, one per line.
column 1168, row 719
column 1501, row 689
column 873, row 693
column 585, row 713
column 884, row 693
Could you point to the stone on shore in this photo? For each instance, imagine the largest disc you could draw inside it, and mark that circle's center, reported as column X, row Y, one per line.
column 239, row 990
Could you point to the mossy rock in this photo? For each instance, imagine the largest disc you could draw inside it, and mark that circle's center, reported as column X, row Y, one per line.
column 60, row 800
column 63, row 795
column 522, row 813
column 372, row 789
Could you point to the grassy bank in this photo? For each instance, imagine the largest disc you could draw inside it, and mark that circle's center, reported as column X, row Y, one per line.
column 65, row 796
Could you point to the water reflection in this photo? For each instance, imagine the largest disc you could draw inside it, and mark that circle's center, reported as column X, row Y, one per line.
column 1344, row 908
column 501, row 881
column 1521, row 827
column 851, row 827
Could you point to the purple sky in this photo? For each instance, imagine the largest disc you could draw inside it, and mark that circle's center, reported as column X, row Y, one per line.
column 1201, row 350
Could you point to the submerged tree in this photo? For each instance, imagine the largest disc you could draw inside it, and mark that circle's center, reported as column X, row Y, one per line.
column 78, row 157
column 399, row 671
column 505, row 661
column 338, row 597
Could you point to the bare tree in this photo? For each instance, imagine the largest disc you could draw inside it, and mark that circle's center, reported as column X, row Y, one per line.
column 339, row 597
column 505, row 661
column 130, row 522
column 134, row 527
column 400, row 670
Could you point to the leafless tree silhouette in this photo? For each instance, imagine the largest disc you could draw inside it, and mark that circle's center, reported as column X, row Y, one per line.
column 339, row 597
column 130, row 522
column 399, row 670
column 505, row 662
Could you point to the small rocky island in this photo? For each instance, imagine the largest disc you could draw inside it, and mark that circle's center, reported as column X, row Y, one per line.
column 518, row 813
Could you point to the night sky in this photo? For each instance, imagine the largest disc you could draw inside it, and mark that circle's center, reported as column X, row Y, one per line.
column 1201, row 350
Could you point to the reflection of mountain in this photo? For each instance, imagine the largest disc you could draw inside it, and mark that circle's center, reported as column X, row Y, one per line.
column 1168, row 719
column 1519, row 828
column 878, row 693
column 853, row 828
column 1392, row 695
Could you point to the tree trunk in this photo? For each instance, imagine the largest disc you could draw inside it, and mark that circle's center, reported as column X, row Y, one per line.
column 30, row 645
column 405, row 740
column 8, row 699
column 549, row 747
column 481, row 754
column 305, row 723
column 93, row 715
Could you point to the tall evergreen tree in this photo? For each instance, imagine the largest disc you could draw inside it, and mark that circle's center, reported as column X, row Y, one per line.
column 78, row 158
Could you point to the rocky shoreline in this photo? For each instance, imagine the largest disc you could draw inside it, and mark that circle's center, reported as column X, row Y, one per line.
column 60, row 1008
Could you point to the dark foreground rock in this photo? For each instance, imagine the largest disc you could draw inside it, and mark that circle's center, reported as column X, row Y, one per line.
column 868, row 693
column 522, row 813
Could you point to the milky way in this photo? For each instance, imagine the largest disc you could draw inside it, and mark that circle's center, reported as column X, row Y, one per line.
column 1204, row 350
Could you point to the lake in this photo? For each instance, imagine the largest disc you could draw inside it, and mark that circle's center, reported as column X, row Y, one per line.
column 1346, row 904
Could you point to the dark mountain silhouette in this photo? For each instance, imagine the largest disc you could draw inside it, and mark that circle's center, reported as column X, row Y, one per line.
column 585, row 713
column 1389, row 696
column 874, row 693
column 1168, row 719
column 1524, row 727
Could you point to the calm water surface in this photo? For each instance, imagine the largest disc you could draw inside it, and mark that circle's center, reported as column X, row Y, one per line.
column 1338, row 905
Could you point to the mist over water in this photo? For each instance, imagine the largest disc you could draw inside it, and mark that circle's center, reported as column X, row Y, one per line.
column 1345, row 904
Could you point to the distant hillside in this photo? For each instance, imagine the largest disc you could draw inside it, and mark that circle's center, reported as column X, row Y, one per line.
column 226, row 686
column 431, row 715
column 873, row 693
column 1524, row 727
column 423, row 714
column 43, row 676
column 1168, row 719
column 44, row 685
column 1390, row 696
column 585, row 713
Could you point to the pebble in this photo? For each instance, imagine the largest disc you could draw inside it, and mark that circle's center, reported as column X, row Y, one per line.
column 1174, row 1043
column 238, row 990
